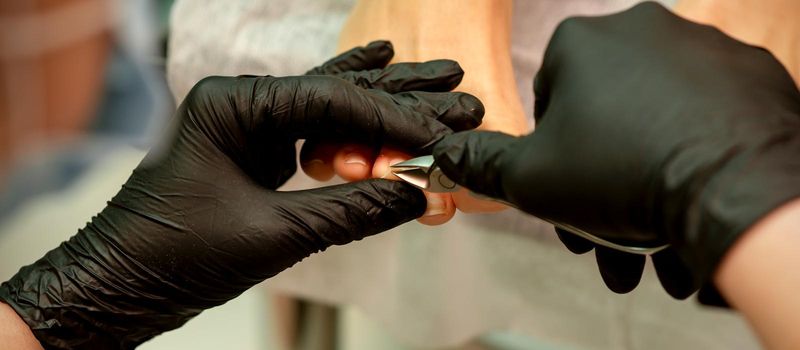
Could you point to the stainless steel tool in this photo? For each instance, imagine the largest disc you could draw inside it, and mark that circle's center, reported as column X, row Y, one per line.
column 423, row 173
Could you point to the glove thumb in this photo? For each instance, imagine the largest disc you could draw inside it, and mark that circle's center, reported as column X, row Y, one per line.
column 476, row 160
column 341, row 214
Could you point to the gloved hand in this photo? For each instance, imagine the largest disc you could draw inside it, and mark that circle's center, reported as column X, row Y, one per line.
column 199, row 220
column 650, row 129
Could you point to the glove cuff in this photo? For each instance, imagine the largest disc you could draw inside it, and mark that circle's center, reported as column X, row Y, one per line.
column 747, row 186
column 67, row 306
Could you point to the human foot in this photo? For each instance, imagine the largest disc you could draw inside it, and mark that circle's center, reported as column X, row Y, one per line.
column 478, row 37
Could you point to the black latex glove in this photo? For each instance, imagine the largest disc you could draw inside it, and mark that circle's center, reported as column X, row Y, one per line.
column 650, row 129
column 199, row 220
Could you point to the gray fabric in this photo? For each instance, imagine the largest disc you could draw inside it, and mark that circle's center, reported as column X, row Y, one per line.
column 442, row 286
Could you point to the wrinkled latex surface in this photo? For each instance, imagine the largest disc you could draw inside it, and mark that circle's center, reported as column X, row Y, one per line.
column 199, row 220
column 650, row 128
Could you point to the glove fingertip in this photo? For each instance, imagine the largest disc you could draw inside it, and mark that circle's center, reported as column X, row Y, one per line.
column 465, row 111
column 376, row 54
column 621, row 272
column 449, row 71
column 474, row 109
column 379, row 53
column 674, row 275
column 575, row 244
column 397, row 201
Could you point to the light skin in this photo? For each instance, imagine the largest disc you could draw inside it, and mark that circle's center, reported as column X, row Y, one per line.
column 14, row 333
column 758, row 277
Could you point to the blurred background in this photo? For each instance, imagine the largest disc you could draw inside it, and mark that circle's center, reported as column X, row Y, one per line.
column 79, row 77
column 86, row 85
